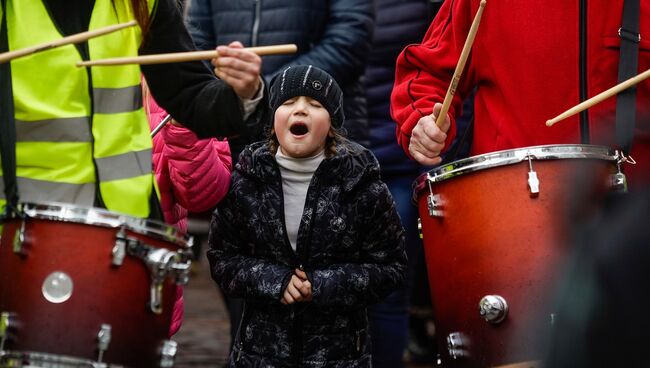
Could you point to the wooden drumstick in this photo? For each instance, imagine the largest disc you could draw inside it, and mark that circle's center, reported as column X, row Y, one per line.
column 600, row 97
column 75, row 38
column 461, row 65
column 187, row 56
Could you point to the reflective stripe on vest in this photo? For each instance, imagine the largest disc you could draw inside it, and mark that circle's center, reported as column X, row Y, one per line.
column 58, row 145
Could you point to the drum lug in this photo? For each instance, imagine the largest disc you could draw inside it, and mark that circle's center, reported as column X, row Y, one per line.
column 420, row 228
column 19, row 239
column 435, row 204
column 533, row 181
column 119, row 249
column 456, row 345
column 6, row 323
column 103, row 340
column 493, row 308
column 168, row 354
column 619, row 180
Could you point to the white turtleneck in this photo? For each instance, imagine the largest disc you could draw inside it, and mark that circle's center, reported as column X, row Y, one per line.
column 296, row 175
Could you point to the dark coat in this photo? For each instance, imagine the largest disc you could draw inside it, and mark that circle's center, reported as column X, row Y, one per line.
column 398, row 24
column 333, row 35
column 351, row 244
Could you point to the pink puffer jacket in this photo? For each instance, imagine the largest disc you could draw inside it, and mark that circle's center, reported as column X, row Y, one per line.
column 192, row 175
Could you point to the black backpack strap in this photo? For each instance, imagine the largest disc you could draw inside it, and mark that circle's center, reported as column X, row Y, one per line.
column 7, row 123
column 627, row 68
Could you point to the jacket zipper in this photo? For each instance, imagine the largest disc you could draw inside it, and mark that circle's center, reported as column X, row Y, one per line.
column 256, row 22
column 584, row 116
column 240, row 332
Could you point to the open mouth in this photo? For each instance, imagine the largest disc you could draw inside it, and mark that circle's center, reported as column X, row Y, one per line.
column 299, row 129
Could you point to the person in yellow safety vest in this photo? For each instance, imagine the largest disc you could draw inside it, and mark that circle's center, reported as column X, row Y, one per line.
column 81, row 135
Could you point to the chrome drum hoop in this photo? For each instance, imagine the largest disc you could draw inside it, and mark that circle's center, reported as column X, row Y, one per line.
column 513, row 156
column 65, row 212
column 18, row 359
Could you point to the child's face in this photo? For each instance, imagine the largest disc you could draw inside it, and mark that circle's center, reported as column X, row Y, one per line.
column 301, row 125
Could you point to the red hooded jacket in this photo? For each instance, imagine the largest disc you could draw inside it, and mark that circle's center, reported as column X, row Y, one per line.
column 527, row 67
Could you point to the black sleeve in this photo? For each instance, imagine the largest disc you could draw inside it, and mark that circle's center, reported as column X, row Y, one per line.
column 189, row 91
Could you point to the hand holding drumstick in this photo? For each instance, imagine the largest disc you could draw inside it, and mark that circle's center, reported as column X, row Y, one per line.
column 428, row 137
column 240, row 68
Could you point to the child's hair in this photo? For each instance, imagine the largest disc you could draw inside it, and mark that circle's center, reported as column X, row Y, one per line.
column 334, row 137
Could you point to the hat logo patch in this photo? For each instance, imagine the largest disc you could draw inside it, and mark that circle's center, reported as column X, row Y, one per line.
column 317, row 85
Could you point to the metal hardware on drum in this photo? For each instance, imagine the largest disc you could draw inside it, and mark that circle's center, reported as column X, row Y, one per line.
column 435, row 203
column 57, row 287
column 456, row 345
column 27, row 359
column 19, row 239
column 168, row 354
column 493, row 308
column 533, row 181
column 619, row 180
column 5, row 325
column 119, row 249
column 160, row 262
column 103, row 340
column 420, row 227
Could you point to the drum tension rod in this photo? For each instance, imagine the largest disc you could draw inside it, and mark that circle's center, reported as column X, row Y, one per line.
column 103, row 340
column 533, row 181
column 435, row 202
column 19, row 239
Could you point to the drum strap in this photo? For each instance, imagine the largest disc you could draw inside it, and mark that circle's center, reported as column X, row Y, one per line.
column 7, row 124
column 627, row 68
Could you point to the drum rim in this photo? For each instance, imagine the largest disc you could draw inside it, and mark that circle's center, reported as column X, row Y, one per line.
column 513, row 156
column 32, row 357
column 66, row 212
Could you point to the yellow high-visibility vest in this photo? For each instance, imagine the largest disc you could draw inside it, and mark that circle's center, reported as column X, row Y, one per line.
column 76, row 127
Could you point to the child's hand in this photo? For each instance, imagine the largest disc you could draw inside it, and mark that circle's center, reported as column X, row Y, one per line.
column 305, row 291
column 298, row 289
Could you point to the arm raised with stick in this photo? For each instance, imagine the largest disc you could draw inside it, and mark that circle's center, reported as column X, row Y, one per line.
column 429, row 135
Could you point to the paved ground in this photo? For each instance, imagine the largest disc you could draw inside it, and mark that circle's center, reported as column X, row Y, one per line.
column 205, row 335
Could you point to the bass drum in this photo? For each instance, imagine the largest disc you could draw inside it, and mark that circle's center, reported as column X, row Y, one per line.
column 494, row 229
column 85, row 287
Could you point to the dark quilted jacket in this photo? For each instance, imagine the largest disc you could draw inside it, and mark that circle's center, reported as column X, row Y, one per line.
column 333, row 35
column 351, row 244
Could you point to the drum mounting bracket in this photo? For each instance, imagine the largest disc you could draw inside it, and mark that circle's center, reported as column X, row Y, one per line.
column 161, row 263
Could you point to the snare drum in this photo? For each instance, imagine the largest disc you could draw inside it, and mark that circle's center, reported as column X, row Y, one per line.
column 83, row 286
column 493, row 228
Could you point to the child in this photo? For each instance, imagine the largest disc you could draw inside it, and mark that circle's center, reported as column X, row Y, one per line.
column 308, row 234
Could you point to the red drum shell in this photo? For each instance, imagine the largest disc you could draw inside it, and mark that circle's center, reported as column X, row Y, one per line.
column 497, row 239
column 102, row 293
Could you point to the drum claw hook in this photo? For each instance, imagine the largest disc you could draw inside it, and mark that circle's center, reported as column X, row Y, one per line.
column 533, row 180
column 619, row 180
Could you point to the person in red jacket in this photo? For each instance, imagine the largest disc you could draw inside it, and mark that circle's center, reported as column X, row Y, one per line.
column 530, row 61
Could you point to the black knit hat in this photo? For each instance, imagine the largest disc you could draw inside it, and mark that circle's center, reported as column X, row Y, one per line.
column 308, row 80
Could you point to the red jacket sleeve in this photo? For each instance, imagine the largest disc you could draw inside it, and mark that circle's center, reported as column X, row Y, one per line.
column 424, row 71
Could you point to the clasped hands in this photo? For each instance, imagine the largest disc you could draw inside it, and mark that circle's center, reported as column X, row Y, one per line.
column 298, row 289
